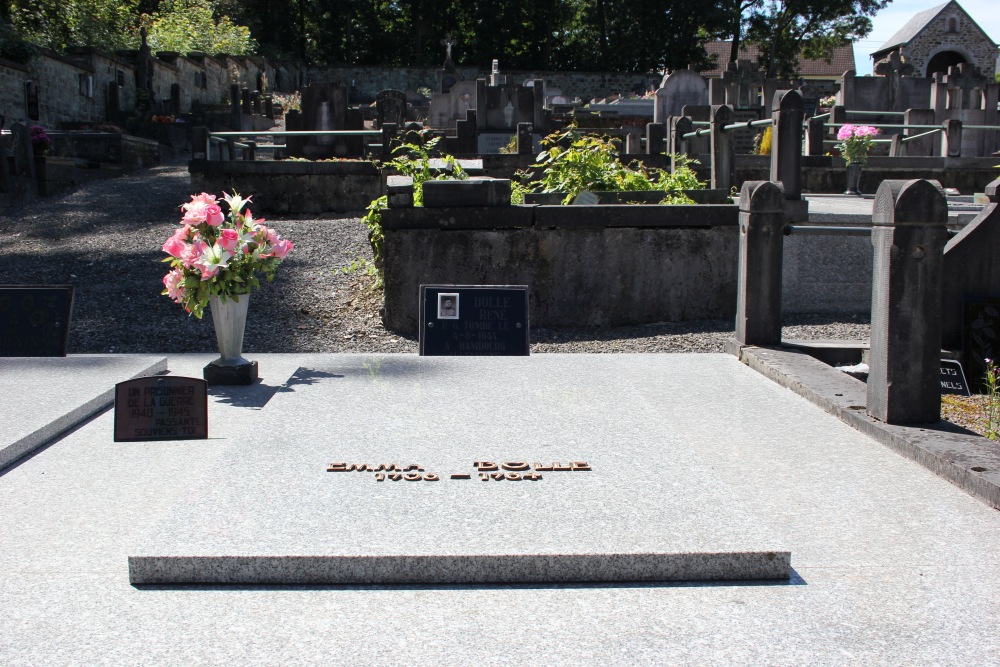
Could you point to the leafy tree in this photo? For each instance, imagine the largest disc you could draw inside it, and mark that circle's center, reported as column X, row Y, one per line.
column 194, row 25
column 108, row 24
column 785, row 28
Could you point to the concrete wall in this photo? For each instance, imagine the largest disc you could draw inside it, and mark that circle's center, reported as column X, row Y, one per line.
column 12, row 78
column 292, row 187
column 584, row 266
column 367, row 81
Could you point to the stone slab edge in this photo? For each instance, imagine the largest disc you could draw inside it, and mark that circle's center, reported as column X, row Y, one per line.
column 16, row 451
column 460, row 569
column 970, row 462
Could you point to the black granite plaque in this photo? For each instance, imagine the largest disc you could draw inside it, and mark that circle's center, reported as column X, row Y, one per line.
column 34, row 320
column 161, row 408
column 473, row 320
column 953, row 378
column 980, row 339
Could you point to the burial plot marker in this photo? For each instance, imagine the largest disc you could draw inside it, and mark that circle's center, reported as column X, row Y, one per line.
column 34, row 320
column 161, row 408
column 473, row 320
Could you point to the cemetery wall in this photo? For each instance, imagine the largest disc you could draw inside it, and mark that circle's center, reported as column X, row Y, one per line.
column 367, row 81
column 12, row 78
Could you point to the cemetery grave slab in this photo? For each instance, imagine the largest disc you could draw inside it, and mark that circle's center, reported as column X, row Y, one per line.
column 399, row 469
column 44, row 396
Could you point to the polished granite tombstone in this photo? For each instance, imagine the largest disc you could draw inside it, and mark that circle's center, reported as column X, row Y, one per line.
column 531, row 476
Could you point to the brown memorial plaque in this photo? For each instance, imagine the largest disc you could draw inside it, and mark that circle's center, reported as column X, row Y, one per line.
column 161, row 408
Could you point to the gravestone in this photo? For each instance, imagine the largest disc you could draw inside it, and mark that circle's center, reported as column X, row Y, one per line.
column 679, row 89
column 447, row 109
column 323, row 107
column 161, row 408
column 34, row 320
column 500, row 108
column 390, row 107
column 473, row 320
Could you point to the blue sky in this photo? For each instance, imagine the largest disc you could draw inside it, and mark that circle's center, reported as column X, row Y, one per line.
column 893, row 17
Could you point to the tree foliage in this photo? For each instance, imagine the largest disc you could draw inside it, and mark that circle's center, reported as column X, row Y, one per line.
column 108, row 24
column 595, row 35
column 194, row 25
column 784, row 28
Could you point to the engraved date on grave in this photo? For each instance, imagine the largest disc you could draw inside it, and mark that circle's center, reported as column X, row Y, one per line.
column 486, row 471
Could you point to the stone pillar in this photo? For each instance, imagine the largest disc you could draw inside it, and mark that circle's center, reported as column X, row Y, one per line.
column 250, row 152
column 679, row 126
column 815, row 135
column 838, row 115
column 908, row 235
column 269, row 106
column 951, row 138
column 390, row 138
column 786, row 142
column 524, row 139
column 655, row 133
column 923, row 147
column 538, row 102
column 200, row 143
column 247, row 106
column 847, row 90
column 633, row 144
column 758, row 291
column 723, row 160
column 465, row 131
column 255, row 102
column 939, row 96
column 235, row 112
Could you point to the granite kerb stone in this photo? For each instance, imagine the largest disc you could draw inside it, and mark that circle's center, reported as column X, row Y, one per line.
column 625, row 215
column 458, row 218
column 965, row 459
column 83, row 383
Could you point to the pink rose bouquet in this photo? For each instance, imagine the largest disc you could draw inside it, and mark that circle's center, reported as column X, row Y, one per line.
column 855, row 142
column 218, row 252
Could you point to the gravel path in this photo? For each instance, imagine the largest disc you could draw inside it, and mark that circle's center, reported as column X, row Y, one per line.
column 105, row 239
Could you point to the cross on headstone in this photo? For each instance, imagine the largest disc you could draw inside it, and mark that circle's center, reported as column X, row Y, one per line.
column 447, row 43
column 894, row 68
column 743, row 79
column 965, row 78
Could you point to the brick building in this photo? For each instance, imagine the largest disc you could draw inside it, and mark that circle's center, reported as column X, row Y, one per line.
column 938, row 38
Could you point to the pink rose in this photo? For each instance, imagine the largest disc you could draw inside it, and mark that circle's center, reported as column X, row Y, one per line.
column 228, row 239
column 174, row 282
column 174, row 247
column 213, row 215
column 193, row 254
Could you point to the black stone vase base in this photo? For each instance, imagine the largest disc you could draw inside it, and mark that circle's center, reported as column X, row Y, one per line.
column 243, row 374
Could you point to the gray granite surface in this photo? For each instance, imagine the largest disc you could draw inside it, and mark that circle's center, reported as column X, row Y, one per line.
column 41, row 397
column 276, row 515
column 892, row 564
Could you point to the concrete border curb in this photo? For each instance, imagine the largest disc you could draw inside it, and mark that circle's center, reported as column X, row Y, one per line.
column 967, row 460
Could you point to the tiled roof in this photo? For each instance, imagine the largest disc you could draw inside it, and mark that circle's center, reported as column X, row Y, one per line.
column 910, row 29
column 843, row 60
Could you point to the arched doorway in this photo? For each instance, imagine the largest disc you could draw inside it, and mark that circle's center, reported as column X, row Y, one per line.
column 942, row 61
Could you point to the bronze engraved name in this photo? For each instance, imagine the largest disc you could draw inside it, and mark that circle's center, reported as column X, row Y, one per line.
column 487, row 471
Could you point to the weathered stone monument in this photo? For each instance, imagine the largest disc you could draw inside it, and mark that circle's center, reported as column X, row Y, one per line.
column 679, row 89
column 390, row 107
column 324, row 107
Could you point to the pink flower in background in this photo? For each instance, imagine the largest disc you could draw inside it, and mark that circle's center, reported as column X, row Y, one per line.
column 174, row 282
column 229, row 239
column 175, row 247
column 213, row 215
column 227, row 251
column 282, row 248
column 855, row 142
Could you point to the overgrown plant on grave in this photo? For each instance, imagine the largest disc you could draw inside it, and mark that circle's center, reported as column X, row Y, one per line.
column 411, row 159
column 573, row 162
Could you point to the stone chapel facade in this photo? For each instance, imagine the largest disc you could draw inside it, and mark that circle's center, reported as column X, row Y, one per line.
column 941, row 37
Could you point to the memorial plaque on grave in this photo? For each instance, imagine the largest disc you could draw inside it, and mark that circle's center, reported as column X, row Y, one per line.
column 34, row 320
column 473, row 320
column 980, row 338
column 161, row 408
column 953, row 378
